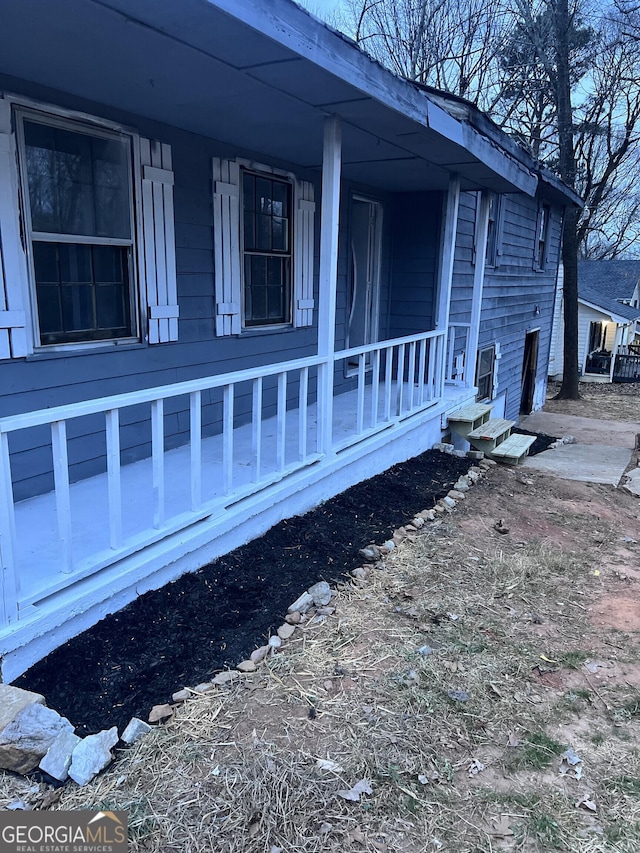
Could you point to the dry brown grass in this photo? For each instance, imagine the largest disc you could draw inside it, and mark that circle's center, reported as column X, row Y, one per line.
column 238, row 770
column 506, row 619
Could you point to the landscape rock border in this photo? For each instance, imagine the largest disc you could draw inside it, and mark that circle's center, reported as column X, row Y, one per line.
column 33, row 736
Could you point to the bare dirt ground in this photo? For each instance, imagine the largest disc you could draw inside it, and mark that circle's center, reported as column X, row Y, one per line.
column 618, row 402
column 476, row 692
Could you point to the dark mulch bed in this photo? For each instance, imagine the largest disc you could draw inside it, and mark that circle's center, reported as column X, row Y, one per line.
column 181, row 634
column 542, row 442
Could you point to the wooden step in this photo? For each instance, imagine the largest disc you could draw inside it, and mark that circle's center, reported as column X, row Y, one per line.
column 513, row 449
column 492, row 430
column 464, row 420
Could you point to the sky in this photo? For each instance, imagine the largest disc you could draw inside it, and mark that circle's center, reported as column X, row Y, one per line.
column 321, row 8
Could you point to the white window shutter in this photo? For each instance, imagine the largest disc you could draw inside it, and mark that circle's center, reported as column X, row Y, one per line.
column 158, row 251
column 226, row 228
column 13, row 264
column 304, row 241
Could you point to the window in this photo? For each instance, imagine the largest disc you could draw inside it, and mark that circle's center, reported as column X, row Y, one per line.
column 267, row 258
column 542, row 237
column 264, row 241
column 79, row 221
column 596, row 337
column 484, row 372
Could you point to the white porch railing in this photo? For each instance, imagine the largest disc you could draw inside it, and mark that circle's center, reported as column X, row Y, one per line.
column 268, row 418
column 457, row 355
column 394, row 379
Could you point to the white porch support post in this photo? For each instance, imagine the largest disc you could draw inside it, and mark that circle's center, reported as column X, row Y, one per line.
column 330, row 212
column 617, row 341
column 443, row 305
column 478, row 285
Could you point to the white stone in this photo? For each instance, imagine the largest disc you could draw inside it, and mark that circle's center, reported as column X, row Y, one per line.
column 13, row 700
column 476, row 455
column 371, row 553
column 320, row 593
column 259, row 654
column 301, row 604
column 137, row 729
column 285, row 631
column 275, row 642
column 26, row 739
column 225, row 677
column 246, row 666
column 58, row 758
column 178, row 696
column 92, row 755
column 447, row 501
column 632, row 484
column 418, row 522
column 203, row 687
column 443, row 447
column 390, row 545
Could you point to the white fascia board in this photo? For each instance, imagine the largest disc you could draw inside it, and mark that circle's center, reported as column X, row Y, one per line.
column 616, row 318
column 293, row 28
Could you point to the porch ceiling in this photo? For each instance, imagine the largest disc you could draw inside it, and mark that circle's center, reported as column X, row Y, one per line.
column 218, row 67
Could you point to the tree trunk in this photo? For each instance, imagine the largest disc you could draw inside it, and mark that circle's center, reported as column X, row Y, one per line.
column 569, row 390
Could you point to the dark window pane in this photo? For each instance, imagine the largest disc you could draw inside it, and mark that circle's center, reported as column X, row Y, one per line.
column 77, row 308
column 258, row 304
column 75, row 263
column 110, row 307
column 107, row 264
column 275, row 269
column 264, row 233
column 249, row 230
column 248, row 192
column 78, row 183
column 89, row 299
column 263, row 195
column 280, row 234
column 281, row 198
column 276, row 308
column 258, row 271
column 45, row 259
column 49, row 308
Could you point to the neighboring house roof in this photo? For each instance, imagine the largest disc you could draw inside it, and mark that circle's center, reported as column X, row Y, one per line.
column 622, row 314
column 603, row 283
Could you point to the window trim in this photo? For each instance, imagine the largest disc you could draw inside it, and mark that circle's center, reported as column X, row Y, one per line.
column 490, row 373
column 79, row 122
column 492, row 258
column 256, row 169
column 542, row 236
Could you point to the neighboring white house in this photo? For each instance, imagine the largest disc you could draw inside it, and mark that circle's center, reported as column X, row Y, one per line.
column 608, row 319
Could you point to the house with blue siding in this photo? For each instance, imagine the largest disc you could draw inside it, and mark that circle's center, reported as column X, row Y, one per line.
column 242, row 267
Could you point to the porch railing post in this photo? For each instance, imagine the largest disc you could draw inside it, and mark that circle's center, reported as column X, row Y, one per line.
column 10, row 577
column 478, row 286
column 330, row 213
column 449, row 232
